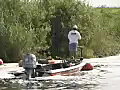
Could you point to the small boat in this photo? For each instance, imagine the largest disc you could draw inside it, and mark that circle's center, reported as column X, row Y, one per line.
column 59, row 68
column 55, row 67
column 47, row 68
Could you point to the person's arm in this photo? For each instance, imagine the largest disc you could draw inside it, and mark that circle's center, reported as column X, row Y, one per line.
column 34, row 58
column 69, row 35
column 79, row 36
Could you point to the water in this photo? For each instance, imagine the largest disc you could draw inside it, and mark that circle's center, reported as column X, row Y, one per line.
column 105, row 76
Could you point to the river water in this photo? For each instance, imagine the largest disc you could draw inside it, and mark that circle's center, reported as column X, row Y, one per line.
column 105, row 76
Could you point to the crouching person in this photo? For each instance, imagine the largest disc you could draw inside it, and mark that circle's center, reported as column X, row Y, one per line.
column 29, row 64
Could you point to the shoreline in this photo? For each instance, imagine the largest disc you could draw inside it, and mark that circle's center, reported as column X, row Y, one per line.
column 6, row 68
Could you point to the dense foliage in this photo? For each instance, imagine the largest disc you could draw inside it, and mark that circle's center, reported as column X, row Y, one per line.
column 31, row 26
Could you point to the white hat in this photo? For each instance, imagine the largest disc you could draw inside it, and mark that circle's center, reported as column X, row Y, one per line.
column 75, row 26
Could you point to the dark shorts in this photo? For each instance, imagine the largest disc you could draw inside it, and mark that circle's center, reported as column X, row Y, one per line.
column 73, row 47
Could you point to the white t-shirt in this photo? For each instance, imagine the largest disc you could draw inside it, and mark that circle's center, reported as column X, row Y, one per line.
column 74, row 36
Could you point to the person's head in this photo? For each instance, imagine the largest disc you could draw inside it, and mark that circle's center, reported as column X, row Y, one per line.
column 75, row 27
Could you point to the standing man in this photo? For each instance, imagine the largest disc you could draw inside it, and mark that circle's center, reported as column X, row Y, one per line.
column 73, row 37
column 29, row 64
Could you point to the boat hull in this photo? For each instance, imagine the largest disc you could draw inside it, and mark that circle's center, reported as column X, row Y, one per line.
column 70, row 71
column 50, row 70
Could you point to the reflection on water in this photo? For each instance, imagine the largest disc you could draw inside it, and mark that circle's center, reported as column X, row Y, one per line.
column 47, row 85
column 88, row 80
column 101, row 78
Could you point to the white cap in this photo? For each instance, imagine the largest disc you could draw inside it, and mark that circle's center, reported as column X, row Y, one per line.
column 75, row 26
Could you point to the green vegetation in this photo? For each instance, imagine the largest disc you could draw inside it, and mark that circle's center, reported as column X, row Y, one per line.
column 30, row 26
